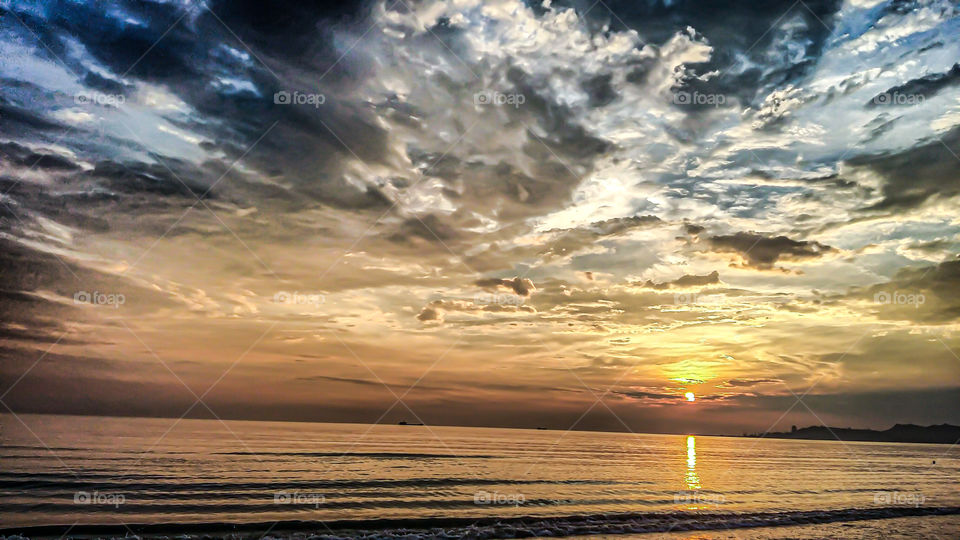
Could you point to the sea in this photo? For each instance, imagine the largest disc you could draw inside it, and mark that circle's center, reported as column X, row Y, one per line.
column 107, row 477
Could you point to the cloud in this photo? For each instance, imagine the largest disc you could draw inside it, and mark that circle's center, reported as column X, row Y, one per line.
column 762, row 251
column 685, row 281
column 927, row 294
column 430, row 228
column 430, row 312
column 567, row 242
column 923, row 87
column 437, row 310
column 747, row 382
column 914, row 176
column 647, row 395
column 24, row 157
column 163, row 180
column 519, row 285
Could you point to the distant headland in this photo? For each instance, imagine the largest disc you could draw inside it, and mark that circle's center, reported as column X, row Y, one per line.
column 900, row 433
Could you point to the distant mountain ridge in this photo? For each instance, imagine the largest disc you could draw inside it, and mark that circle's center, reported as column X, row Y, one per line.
column 902, row 433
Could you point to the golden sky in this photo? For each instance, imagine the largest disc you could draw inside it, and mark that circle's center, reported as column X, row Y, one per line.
column 483, row 214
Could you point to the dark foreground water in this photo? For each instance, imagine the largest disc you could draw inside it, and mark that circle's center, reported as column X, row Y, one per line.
column 115, row 477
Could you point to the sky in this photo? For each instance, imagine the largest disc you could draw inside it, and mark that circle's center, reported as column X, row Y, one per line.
column 495, row 213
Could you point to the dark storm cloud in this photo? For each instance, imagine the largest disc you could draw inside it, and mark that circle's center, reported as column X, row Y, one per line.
column 563, row 134
column 929, row 294
column 16, row 154
column 429, row 228
column 915, row 175
column 227, row 63
column 200, row 60
column 157, row 179
column 290, row 28
column 16, row 118
column 105, row 84
column 944, row 278
column 933, row 247
column 782, row 39
column 762, row 251
column 600, row 91
column 925, row 87
column 72, row 209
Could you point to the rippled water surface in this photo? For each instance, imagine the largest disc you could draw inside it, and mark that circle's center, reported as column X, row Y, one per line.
column 87, row 470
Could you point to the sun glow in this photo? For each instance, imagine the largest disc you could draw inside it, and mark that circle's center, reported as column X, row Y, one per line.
column 690, row 396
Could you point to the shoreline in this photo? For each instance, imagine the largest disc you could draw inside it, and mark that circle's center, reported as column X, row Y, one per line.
column 488, row 527
column 780, row 436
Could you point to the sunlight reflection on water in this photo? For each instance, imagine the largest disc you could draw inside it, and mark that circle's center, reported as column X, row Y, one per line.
column 693, row 479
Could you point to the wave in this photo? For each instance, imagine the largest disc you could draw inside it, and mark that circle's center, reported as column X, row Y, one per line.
column 489, row 528
column 377, row 455
column 65, row 482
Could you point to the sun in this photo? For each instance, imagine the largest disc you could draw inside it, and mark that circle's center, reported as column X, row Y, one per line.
column 690, row 396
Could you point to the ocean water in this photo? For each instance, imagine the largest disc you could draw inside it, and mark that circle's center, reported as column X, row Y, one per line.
column 111, row 476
